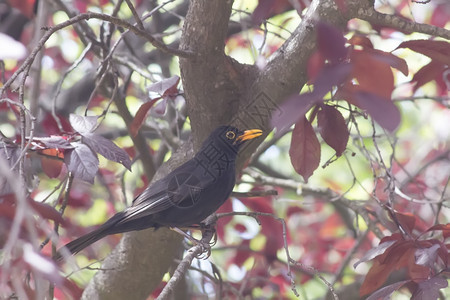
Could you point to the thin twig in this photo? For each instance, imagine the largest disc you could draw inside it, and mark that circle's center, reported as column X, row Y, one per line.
column 135, row 15
column 184, row 265
column 256, row 215
column 86, row 16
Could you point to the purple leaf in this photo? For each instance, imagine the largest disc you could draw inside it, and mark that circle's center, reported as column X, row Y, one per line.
column 386, row 291
column 382, row 110
column 429, row 289
column 374, row 252
column 394, row 61
column 427, row 256
column 305, row 149
column 47, row 211
column 436, row 50
column 293, row 109
column 83, row 124
column 107, row 148
column 82, row 162
column 165, row 87
column 296, row 106
column 332, row 128
column 140, row 116
column 330, row 76
column 54, row 141
column 331, row 42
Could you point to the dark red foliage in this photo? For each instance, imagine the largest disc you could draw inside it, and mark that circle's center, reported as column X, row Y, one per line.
column 305, row 149
column 333, row 128
column 423, row 259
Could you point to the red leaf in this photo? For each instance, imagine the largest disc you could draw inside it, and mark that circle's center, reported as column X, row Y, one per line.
column 47, row 212
column 407, row 221
column 332, row 75
column 331, row 42
column 140, row 116
column 440, row 14
column 25, row 6
column 273, row 231
column 391, row 59
column 402, row 254
column 360, row 40
column 294, row 108
column 376, row 276
column 428, row 73
column 399, row 255
column 315, row 65
column 305, row 149
column 7, row 211
column 269, row 8
column 332, row 128
column 373, row 75
column 386, row 292
column 374, row 252
column 241, row 255
column 51, row 166
column 50, row 126
column 382, row 110
column 166, row 87
column 429, row 289
column 259, row 204
column 393, row 237
column 436, row 50
column 82, row 6
column 292, row 210
column 445, row 228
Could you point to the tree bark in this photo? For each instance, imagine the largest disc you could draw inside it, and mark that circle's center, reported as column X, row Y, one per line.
column 218, row 90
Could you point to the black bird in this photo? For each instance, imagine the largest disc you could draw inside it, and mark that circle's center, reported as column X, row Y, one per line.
column 187, row 196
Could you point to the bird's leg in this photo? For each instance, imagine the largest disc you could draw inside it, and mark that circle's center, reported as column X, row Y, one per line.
column 204, row 242
column 208, row 234
column 209, row 229
column 185, row 234
column 209, row 225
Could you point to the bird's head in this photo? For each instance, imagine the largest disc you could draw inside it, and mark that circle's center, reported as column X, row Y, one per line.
column 230, row 137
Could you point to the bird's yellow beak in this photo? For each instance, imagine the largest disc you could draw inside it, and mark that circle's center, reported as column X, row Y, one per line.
column 249, row 135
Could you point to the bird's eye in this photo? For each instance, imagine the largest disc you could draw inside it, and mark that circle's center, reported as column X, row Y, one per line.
column 230, row 135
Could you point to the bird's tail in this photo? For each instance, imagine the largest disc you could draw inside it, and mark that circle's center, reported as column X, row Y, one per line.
column 82, row 242
column 119, row 223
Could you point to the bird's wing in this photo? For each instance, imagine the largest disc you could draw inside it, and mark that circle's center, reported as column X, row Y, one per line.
column 156, row 197
column 152, row 193
column 152, row 200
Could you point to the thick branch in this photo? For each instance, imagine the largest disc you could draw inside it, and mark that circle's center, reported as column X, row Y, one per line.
column 211, row 82
column 376, row 18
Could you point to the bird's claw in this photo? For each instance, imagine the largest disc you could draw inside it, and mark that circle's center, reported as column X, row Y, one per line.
column 209, row 239
column 205, row 243
column 206, row 250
